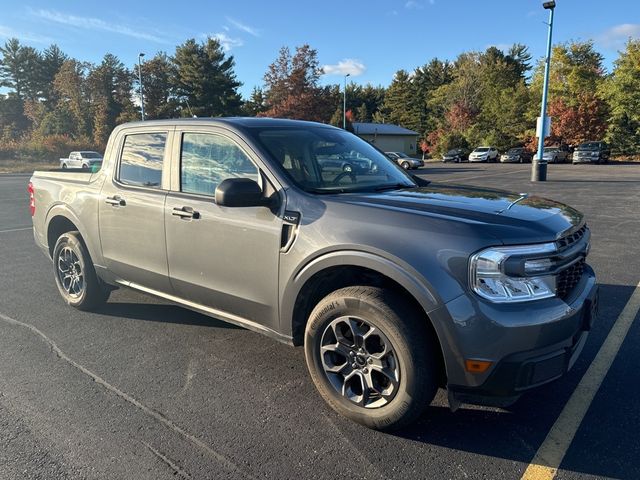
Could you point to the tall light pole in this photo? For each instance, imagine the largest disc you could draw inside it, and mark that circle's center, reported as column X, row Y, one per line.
column 344, row 103
column 140, row 55
column 539, row 166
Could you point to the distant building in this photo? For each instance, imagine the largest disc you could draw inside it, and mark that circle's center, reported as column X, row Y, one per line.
column 387, row 137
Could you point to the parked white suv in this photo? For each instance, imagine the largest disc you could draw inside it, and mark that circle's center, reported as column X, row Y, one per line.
column 484, row 154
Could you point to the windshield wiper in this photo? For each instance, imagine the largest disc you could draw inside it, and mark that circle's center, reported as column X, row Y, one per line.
column 393, row 186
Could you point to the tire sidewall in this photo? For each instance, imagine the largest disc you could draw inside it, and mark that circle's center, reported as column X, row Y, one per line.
column 387, row 416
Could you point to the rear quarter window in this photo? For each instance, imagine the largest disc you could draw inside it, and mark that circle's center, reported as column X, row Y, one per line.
column 142, row 159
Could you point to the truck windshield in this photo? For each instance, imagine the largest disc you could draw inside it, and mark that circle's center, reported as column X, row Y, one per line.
column 328, row 160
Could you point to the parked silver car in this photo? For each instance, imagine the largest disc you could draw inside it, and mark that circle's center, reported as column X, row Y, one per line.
column 404, row 160
column 554, row 155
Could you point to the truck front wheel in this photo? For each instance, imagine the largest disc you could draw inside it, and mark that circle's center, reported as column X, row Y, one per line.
column 74, row 273
column 371, row 357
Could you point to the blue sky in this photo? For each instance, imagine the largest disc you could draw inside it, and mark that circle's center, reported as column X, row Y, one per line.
column 369, row 39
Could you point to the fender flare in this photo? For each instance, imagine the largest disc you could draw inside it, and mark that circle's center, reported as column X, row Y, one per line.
column 63, row 210
column 403, row 274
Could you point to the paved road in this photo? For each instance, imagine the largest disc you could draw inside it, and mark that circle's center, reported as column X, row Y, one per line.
column 144, row 389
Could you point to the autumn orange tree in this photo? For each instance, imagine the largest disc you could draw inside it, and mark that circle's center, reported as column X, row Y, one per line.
column 292, row 87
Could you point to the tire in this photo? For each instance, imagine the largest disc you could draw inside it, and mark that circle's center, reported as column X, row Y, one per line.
column 64, row 166
column 410, row 382
column 85, row 166
column 405, row 165
column 74, row 274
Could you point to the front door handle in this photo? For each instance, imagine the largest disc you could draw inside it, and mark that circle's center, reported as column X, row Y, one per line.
column 186, row 213
column 116, row 201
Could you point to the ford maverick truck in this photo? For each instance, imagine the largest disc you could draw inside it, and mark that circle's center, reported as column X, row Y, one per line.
column 394, row 286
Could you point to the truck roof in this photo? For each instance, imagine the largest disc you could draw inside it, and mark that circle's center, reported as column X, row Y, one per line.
column 229, row 121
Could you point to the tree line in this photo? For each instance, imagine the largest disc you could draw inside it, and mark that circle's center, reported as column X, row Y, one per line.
column 55, row 103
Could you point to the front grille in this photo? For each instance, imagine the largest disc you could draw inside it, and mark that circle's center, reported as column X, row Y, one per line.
column 571, row 239
column 568, row 278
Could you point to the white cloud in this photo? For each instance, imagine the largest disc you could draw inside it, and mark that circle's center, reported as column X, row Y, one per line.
column 348, row 65
column 226, row 41
column 91, row 23
column 244, row 27
column 617, row 36
column 418, row 4
column 8, row 32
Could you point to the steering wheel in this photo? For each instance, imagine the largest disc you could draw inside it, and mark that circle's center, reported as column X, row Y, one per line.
column 340, row 176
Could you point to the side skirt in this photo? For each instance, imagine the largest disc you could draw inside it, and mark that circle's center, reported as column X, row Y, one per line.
column 212, row 312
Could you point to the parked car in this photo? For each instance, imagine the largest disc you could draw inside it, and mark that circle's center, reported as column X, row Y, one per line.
column 484, row 154
column 592, row 152
column 404, row 160
column 456, row 155
column 344, row 162
column 82, row 159
column 395, row 287
column 554, row 154
column 516, row 155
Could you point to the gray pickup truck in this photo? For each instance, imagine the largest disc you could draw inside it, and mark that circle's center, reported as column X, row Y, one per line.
column 394, row 286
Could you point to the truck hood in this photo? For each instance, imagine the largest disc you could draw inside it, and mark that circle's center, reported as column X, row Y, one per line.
column 510, row 218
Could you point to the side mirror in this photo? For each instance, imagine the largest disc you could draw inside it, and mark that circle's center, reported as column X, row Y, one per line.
column 240, row 192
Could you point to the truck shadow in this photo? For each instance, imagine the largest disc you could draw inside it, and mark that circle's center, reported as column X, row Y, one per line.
column 161, row 313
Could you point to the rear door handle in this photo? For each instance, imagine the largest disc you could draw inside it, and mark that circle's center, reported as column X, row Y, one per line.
column 116, row 201
column 186, row 213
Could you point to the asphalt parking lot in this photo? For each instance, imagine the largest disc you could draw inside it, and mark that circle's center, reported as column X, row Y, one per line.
column 144, row 389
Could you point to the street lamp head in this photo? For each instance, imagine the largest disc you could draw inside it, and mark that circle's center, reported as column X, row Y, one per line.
column 348, row 75
column 549, row 5
column 140, row 55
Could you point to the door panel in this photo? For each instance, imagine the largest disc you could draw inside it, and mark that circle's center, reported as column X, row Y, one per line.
column 222, row 257
column 132, row 235
column 226, row 258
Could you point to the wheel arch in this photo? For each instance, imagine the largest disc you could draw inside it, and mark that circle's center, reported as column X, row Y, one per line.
column 61, row 219
column 336, row 270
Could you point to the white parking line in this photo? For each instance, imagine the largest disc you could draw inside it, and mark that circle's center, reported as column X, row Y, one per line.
column 548, row 458
column 16, row 229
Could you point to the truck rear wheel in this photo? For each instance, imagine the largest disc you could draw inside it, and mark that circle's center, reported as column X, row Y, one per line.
column 74, row 273
column 371, row 357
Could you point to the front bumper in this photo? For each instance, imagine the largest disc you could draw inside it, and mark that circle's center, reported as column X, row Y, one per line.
column 529, row 344
column 478, row 159
column 587, row 159
column 509, row 159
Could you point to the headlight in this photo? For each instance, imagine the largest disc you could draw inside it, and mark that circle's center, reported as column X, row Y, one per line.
column 513, row 274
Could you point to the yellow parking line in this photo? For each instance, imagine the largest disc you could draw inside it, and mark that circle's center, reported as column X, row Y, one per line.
column 546, row 462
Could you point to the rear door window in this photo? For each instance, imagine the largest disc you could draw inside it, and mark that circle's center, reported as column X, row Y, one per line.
column 142, row 159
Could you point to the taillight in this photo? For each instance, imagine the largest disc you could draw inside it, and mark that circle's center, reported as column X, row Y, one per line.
column 32, row 199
